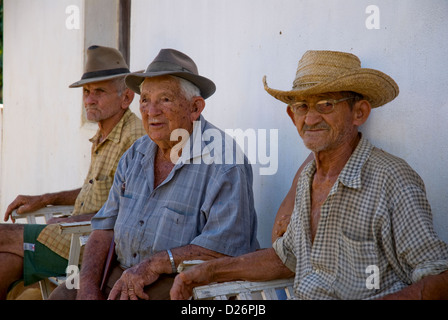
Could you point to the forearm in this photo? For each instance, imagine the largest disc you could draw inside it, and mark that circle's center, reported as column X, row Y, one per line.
column 429, row 288
column 261, row 265
column 61, row 198
column 94, row 257
column 76, row 218
column 162, row 264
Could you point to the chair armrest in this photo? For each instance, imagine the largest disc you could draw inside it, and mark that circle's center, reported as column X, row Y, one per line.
column 48, row 212
column 75, row 227
column 187, row 264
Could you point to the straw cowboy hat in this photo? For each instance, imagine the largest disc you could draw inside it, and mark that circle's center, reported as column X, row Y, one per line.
column 175, row 63
column 103, row 63
column 332, row 71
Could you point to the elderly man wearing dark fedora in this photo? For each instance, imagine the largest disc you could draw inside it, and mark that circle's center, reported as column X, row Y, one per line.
column 33, row 252
column 161, row 211
column 361, row 227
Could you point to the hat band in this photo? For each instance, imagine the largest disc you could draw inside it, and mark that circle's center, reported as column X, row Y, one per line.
column 162, row 66
column 104, row 73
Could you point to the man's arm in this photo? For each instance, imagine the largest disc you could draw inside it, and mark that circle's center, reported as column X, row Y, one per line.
column 261, row 265
column 132, row 282
column 433, row 287
column 94, row 258
column 287, row 206
column 25, row 204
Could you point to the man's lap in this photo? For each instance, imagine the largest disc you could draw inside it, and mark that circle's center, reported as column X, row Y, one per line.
column 159, row 290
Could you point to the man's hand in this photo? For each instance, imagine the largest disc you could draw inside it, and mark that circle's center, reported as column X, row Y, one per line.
column 186, row 281
column 132, row 282
column 24, row 204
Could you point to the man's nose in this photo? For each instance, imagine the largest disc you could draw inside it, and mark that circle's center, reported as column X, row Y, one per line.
column 89, row 99
column 313, row 116
column 151, row 109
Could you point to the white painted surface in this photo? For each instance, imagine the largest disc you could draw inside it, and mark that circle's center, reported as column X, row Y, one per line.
column 235, row 43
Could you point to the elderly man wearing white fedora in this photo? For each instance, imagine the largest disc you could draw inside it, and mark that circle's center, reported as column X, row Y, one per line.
column 34, row 252
column 161, row 212
column 361, row 227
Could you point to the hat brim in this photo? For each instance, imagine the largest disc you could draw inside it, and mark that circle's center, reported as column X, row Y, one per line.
column 206, row 86
column 82, row 82
column 376, row 87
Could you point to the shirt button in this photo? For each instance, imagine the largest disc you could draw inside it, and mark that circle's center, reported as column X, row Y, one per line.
column 134, row 255
column 141, row 222
column 91, row 181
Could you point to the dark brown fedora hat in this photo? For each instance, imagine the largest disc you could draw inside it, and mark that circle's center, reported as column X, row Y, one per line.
column 103, row 63
column 175, row 63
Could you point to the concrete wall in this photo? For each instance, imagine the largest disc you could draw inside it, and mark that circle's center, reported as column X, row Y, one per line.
column 236, row 42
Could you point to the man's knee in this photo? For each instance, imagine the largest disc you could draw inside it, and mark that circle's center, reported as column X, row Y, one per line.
column 63, row 293
column 11, row 238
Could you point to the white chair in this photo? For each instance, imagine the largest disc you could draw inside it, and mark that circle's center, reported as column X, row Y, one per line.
column 281, row 289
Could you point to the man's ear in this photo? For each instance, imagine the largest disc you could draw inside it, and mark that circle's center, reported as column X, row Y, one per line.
column 128, row 97
column 291, row 115
column 361, row 111
column 197, row 106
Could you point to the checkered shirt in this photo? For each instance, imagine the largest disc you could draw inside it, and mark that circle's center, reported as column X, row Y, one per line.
column 376, row 221
column 95, row 190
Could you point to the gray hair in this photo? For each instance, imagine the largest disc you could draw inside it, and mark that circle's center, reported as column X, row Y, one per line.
column 119, row 84
column 188, row 89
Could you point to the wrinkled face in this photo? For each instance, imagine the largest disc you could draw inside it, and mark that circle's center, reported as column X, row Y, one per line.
column 164, row 109
column 101, row 100
column 322, row 132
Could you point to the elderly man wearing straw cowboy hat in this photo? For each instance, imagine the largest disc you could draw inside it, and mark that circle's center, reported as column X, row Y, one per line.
column 33, row 252
column 361, row 226
column 159, row 212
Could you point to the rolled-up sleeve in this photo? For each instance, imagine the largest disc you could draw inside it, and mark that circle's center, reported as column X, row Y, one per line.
column 419, row 250
column 286, row 256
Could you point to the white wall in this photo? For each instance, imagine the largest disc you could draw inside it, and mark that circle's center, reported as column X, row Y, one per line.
column 45, row 134
column 236, row 42
column 41, row 149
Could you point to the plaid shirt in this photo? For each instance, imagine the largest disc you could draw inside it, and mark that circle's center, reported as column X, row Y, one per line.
column 104, row 160
column 376, row 215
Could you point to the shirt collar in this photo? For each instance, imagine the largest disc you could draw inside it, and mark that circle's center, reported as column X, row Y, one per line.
column 350, row 175
column 115, row 134
column 195, row 144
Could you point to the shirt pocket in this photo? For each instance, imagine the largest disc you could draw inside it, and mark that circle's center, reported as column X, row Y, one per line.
column 356, row 259
column 95, row 194
column 174, row 229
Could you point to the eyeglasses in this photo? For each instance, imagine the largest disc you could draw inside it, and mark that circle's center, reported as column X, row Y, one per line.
column 301, row 108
